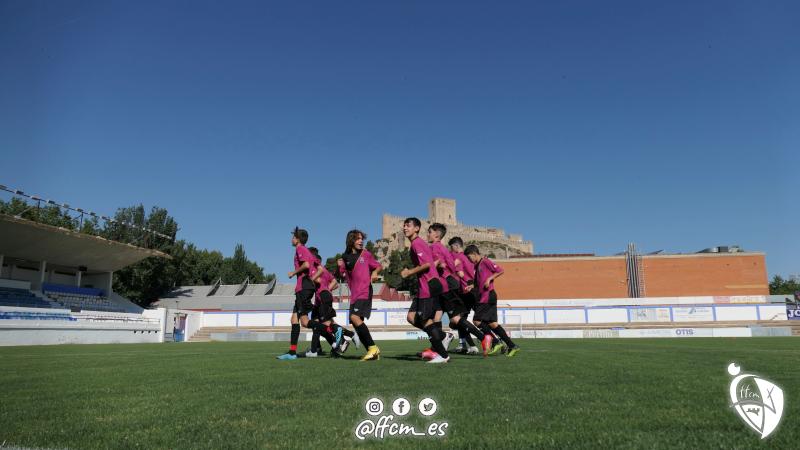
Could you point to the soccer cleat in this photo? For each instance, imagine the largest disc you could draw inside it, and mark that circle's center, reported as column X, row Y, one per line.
column 497, row 347
column 356, row 341
column 513, row 351
column 448, row 338
column 287, row 357
column 419, row 354
column 429, row 354
column 343, row 347
column 473, row 351
column 310, row 354
column 461, row 350
column 338, row 336
column 486, row 344
column 439, row 360
column 373, row 354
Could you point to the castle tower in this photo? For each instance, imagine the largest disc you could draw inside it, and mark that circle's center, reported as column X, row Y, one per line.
column 442, row 210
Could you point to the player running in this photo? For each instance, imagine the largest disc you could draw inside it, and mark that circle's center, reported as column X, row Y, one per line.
column 360, row 269
column 425, row 309
column 304, row 291
column 486, row 271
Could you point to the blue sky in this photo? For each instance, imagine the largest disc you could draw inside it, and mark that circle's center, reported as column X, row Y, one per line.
column 582, row 125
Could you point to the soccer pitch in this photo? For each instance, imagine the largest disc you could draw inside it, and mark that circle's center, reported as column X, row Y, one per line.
column 581, row 393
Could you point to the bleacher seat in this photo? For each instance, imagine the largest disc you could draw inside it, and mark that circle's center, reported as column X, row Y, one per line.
column 74, row 297
column 30, row 315
column 21, row 298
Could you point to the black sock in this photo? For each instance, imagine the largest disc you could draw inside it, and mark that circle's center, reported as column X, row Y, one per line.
column 436, row 340
column 439, row 326
column 504, row 336
column 462, row 335
column 315, row 347
column 488, row 330
column 328, row 337
column 471, row 329
column 364, row 335
column 418, row 322
column 470, row 342
column 295, row 337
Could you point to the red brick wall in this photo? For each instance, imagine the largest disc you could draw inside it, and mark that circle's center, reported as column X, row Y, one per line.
column 667, row 276
column 563, row 278
column 605, row 277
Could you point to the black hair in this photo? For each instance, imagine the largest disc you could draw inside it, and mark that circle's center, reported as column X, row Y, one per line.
column 301, row 235
column 350, row 240
column 472, row 249
column 414, row 221
column 314, row 251
column 439, row 228
column 456, row 240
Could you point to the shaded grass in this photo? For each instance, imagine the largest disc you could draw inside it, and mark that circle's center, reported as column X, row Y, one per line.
column 582, row 393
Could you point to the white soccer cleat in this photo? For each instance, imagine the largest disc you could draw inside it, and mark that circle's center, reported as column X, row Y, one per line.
column 448, row 338
column 310, row 354
column 345, row 344
column 438, row 359
column 473, row 351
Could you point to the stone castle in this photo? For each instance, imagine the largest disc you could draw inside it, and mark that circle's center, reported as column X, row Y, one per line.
column 443, row 210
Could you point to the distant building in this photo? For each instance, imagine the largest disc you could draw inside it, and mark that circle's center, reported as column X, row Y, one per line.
column 443, row 210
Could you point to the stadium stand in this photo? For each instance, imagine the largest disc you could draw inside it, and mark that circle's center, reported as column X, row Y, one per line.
column 31, row 315
column 21, row 298
column 74, row 297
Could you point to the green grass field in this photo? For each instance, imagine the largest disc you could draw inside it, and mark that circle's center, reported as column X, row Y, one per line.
column 582, row 393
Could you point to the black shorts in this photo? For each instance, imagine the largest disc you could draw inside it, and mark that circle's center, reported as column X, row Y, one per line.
column 361, row 308
column 302, row 302
column 324, row 310
column 469, row 300
column 450, row 300
column 425, row 308
column 487, row 312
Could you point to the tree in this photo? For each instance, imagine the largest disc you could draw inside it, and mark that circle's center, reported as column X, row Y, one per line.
column 780, row 286
column 398, row 260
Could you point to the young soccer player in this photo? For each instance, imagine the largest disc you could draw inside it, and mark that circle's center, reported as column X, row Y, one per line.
column 322, row 310
column 450, row 300
column 425, row 309
column 326, row 283
column 360, row 269
column 304, row 290
column 465, row 270
column 486, row 271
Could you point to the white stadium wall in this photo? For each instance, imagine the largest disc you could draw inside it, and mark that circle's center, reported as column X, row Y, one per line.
column 593, row 312
column 86, row 327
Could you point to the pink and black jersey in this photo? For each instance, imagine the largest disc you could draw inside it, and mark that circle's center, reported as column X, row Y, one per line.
column 357, row 270
column 467, row 267
column 324, row 281
column 483, row 270
column 301, row 255
column 421, row 253
column 441, row 253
